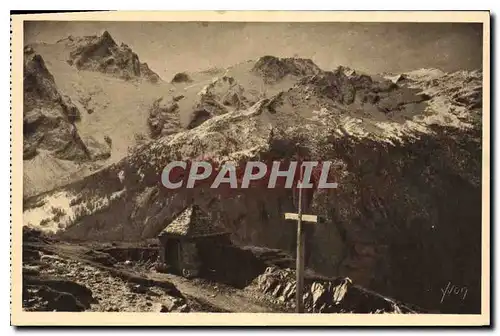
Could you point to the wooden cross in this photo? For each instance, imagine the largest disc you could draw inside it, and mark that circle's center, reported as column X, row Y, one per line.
column 299, row 217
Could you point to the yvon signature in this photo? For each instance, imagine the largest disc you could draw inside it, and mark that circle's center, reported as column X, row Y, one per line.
column 453, row 290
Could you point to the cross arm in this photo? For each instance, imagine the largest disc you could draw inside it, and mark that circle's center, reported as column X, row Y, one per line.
column 305, row 218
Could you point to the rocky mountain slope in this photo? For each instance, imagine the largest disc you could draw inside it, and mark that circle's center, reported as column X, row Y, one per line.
column 119, row 102
column 71, row 112
column 405, row 220
column 51, row 138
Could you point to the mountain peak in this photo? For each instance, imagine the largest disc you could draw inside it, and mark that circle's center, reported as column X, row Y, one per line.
column 274, row 69
column 106, row 35
column 103, row 54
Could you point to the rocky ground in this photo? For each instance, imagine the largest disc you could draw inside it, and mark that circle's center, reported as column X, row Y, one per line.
column 64, row 276
column 72, row 278
column 323, row 295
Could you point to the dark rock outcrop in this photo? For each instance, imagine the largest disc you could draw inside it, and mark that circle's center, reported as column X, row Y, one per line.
column 323, row 295
column 49, row 294
column 164, row 117
column 48, row 116
column 198, row 117
column 97, row 149
column 181, row 77
column 149, row 74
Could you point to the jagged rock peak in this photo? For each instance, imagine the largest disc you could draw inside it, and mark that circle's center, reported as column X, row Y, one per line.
column 106, row 36
column 103, row 54
column 273, row 69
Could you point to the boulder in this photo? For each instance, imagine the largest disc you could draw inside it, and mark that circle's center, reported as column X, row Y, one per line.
column 57, row 294
column 65, row 302
column 181, row 77
column 324, row 295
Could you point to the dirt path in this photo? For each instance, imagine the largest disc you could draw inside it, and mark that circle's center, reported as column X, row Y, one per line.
column 218, row 295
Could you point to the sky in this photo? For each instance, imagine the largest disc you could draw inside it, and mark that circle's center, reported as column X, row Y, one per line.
column 171, row 47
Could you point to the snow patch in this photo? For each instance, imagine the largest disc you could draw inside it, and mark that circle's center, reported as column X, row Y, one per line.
column 55, row 213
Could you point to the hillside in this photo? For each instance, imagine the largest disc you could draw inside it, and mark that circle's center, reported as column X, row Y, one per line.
column 406, row 148
column 106, row 117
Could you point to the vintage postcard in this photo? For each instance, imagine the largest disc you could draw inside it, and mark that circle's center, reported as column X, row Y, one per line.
column 251, row 168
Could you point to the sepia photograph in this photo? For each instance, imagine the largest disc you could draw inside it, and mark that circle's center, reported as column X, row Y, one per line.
column 251, row 163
